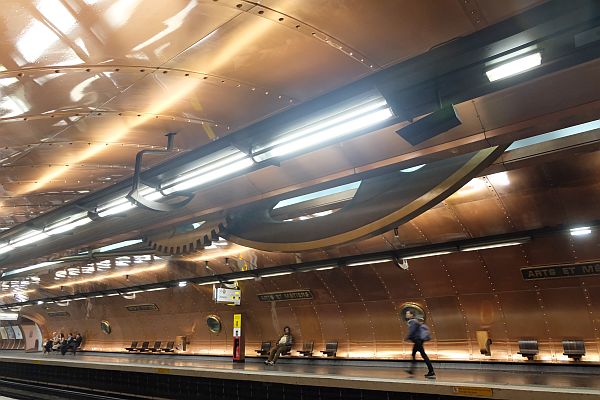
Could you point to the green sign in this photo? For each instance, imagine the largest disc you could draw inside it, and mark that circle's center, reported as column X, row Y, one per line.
column 302, row 294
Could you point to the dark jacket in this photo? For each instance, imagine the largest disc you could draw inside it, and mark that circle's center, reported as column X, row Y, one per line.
column 414, row 333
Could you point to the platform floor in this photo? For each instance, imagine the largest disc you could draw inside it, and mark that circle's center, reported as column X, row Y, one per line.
column 485, row 383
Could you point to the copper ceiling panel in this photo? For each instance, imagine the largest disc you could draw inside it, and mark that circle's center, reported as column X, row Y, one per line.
column 309, row 327
column 586, row 248
column 483, row 217
column 389, row 329
column 374, row 244
column 253, row 49
column 399, row 283
column 359, row 325
column 224, row 103
column 390, row 40
column 333, row 325
column 122, row 32
column 439, row 225
column 535, row 210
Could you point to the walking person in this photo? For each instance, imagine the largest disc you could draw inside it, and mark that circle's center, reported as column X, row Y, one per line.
column 418, row 333
column 284, row 344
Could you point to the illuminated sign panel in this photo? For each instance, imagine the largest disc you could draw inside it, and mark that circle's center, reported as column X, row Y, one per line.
column 229, row 296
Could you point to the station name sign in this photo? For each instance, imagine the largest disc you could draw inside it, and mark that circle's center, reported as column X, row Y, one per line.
column 561, row 271
column 302, row 294
column 142, row 307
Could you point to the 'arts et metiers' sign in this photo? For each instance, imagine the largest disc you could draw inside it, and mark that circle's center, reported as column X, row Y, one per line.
column 561, row 271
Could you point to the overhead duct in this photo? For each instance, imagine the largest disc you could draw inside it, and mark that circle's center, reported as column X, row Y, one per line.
column 431, row 125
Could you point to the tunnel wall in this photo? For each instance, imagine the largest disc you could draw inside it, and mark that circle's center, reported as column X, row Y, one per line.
column 461, row 293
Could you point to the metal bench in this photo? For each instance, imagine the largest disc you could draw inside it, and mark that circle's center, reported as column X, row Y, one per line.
column 330, row 348
column 265, row 348
column 156, row 347
column 528, row 348
column 169, row 347
column 575, row 349
column 307, row 349
column 133, row 346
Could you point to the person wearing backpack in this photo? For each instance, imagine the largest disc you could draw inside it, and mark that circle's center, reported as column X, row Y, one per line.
column 418, row 333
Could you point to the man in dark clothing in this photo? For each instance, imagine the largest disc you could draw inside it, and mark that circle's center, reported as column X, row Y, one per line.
column 414, row 335
column 284, row 344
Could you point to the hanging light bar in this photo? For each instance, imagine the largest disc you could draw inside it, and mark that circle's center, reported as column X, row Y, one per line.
column 367, row 262
column 68, row 224
column 493, row 245
column 369, row 111
column 514, row 66
column 431, row 254
column 28, row 238
column 220, row 165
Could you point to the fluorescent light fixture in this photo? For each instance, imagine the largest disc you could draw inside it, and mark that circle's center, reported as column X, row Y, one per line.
column 276, row 274
column 361, row 115
column 30, row 268
column 493, row 245
column 208, row 283
column 245, row 278
column 4, row 316
column 31, row 237
column 359, row 263
column 68, row 224
column 39, row 302
column 514, row 67
column 209, row 172
column 156, row 289
column 79, row 298
column 6, row 248
column 98, row 296
column 112, row 294
column 584, row 230
column 119, row 245
column 182, row 284
column 431, row 254
column 115, row 207
column 324, row 268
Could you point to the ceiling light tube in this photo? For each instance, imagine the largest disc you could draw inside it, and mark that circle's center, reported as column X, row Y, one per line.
column 6, row 248
column 209, row 173
column 182, row 284
column 276, row 274
column 583, row 230
column 368, row 262
column 514, row 66
column 368, row 113
column 324, row 268
column 493, row 245
column 430, row 254
column 66, row 226
column 156, row 289
column 244, row 278
column 208, row 283
column 28, row 238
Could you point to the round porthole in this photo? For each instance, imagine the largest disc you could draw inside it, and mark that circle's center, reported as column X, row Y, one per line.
column 105, row 327
column 214, row 323
column 415, row 308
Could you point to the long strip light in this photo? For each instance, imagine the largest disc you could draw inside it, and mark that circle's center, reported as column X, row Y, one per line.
column 431, row 254
column 494, row 245
column 514, row 66
column 584, row 230
column 276, row 274
column 378, row 261
column 68, row 224
column 222, row 164
column 29, row 268
column 354, row 118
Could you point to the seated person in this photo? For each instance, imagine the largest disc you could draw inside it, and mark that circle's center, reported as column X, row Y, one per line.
column 76, row 343
column 284, row 344
column 66, row 344
column 48, row 346
column 57, row 342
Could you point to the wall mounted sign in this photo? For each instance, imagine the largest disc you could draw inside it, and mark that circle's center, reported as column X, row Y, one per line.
column 561, row 271
column 142, row 307
column 302, row 294
column 56, row 314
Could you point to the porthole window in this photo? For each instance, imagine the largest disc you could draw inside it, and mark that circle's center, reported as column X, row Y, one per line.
column 105, row 327
column 214, row 323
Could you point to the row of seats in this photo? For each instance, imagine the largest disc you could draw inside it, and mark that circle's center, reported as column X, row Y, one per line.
column 307, row 349
column 145, row 347
column 574, row 349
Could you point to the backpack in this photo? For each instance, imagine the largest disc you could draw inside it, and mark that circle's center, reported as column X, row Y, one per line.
column 424, row 332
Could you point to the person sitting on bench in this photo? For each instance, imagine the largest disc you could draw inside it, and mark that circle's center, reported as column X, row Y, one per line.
column 284, row 344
